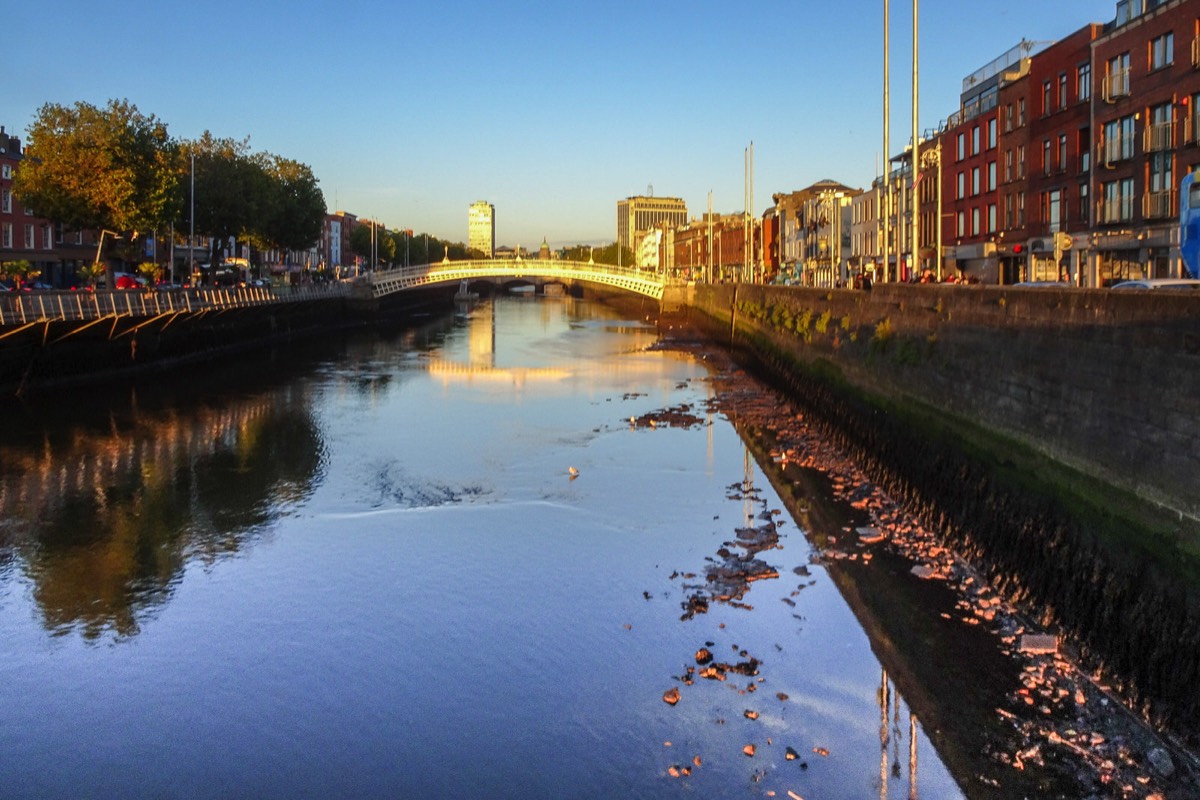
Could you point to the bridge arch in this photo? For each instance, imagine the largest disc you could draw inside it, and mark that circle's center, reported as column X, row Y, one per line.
column 637, row 281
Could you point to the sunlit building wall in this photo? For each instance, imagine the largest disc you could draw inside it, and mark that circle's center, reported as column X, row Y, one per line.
column 481, row 228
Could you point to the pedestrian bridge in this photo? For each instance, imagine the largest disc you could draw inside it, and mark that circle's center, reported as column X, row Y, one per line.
column 634, row 280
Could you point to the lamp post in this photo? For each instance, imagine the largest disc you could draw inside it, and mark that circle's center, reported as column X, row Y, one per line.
column 933, row 158
column 99, row 246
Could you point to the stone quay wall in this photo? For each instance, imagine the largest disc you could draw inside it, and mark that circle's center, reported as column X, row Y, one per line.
column 1049, row 437
column 1107, row 382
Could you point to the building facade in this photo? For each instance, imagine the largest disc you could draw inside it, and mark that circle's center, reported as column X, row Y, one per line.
column 636, row 216
column 481, row 228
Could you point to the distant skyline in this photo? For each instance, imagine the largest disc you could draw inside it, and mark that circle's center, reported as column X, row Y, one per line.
column 410, row 112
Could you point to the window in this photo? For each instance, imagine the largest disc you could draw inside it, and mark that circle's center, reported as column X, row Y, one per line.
column 1052, row 210
column 1009, row 205
column 1084, row 145
column 1008, row 166
column 1020, row 209
column 1116, row 79
column 1159, row 187
column 1020, row 112
column 1162, row 51
column 1160, row 133
column 1045, row 156
column 1083, row 82
column 1118, row 139
column 1008, row 118
column 961, row 224
column 1046, row 109
column 58, row 233
column 5, row 201
column 962, row 146
column 974, row 181
column 991, row 218
column 1118, row 201
column 47, row 237
column 1062, row 90
column 6, row 172
column 1160, row 172
column 1062, row 152
column 1083, row 202
column 6, row 235
column 991, row 176
column 991, row 133
column 975, row 140
column 962, row 185
column 1020, row 161
column 28, row 236
column 974, row 221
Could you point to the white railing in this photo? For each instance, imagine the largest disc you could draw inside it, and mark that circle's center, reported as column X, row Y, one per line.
column 1116, row 85
column 643, row 282
column 1159, row 205
column 1159, row 136
column 22, row 308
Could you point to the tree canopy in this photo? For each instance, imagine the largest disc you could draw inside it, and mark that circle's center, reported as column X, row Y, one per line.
column 98, row 168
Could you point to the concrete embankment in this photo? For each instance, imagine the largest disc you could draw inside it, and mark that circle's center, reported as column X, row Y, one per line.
column 51, row 354
column 1050, row 437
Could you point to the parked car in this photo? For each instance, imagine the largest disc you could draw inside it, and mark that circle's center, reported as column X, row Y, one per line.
column 126, row 280
column 1175, row 284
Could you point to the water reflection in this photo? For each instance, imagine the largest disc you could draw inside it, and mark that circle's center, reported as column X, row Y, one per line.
column 105, row 519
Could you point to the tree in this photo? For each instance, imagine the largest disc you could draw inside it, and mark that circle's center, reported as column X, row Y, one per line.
column 95, row 169
column 296, row 216
column 19, row 270
column 233, row 190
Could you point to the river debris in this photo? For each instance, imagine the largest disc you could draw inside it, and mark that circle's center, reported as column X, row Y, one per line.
column 679, row 416
column 1061, row 719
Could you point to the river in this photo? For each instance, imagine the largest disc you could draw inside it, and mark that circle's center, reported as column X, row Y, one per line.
column 452, row 559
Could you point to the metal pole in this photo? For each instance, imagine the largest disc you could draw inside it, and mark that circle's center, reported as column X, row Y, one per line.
column 916, row 156
column 886, row 212
column 192, row 221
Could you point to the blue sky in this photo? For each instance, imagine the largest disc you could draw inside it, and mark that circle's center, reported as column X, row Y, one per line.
column 409, row 112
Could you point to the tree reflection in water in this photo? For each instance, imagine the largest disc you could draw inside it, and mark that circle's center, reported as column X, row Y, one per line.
column 104, row 520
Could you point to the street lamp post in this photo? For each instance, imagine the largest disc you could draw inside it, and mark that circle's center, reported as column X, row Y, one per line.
column 933, row 158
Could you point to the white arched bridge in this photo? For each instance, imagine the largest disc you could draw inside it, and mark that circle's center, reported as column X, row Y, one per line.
column 387, row 282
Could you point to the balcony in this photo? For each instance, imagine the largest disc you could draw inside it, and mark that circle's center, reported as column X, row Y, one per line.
column 1159, row 205
column 1190, row 129
column 1116, row 85
column 1119, row 209
column 1158, row 137
column 1118, row 148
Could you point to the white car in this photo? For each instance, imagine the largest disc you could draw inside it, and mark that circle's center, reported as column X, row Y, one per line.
column 1177, row 284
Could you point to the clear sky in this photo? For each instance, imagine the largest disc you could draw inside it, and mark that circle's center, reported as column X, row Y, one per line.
column 410, row 111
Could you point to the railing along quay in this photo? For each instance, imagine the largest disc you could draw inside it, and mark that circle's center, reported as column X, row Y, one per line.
column 22, row 308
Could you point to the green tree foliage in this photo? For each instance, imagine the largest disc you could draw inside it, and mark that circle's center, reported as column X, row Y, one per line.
column 19, row 270
column 297, row 213
column 97, row 168
column 601, row 255
column 233, row 189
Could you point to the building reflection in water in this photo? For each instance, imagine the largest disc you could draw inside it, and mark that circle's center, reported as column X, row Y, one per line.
column 889, row 707
column 103, row 520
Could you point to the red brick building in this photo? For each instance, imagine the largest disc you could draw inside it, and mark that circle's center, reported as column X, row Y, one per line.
column 1145, row 90
column 54, row 251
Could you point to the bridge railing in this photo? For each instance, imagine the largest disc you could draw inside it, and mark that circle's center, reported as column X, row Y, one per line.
column 641, row 281
column 21, row 308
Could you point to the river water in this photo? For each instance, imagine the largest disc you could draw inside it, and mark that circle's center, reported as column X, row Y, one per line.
column 435, row 562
